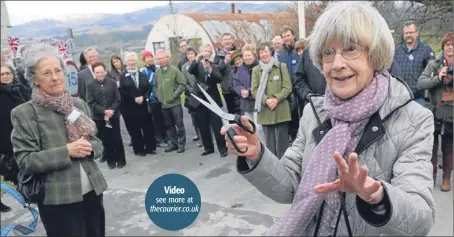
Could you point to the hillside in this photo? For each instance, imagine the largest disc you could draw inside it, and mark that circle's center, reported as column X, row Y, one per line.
column 136, row 21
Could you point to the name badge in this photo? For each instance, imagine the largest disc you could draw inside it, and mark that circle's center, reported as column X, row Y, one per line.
column 411, row 57
column 127, row 74
column 276, row 78
column 293, row 61
column 72, row 117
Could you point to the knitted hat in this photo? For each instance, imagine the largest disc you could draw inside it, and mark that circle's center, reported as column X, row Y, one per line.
column 145, row 54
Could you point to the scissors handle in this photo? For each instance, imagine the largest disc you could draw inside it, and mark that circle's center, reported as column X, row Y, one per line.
column 237, row 121
column 231, row 134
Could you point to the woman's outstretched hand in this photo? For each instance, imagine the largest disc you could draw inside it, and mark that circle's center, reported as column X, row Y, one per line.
column 353, row 179
column 243, row 140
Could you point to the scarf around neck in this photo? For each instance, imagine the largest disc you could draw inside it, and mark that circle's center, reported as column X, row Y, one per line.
column 349, row 118
column 82, row 126
column 266, row 69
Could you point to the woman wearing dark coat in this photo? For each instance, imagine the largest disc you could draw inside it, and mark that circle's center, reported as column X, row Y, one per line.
column 134, row 90
column 117, row 68
column 104, row 100
column 54, row 137
column 12, row 94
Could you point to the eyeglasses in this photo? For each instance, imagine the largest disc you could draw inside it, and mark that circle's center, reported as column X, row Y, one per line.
column 350, row 53
column 49, row 74
column 6, row 74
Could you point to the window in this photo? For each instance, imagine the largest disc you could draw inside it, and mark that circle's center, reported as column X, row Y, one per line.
column 158, row 45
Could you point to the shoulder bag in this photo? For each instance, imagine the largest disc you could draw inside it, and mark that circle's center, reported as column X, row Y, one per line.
column 31, row 186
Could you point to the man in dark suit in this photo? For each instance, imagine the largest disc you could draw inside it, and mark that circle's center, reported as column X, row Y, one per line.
column 208, row 77
column 86, row 75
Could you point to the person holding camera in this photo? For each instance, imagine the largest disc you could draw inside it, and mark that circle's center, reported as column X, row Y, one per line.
column 190, row 54
column 437, row 78
column 208, row 78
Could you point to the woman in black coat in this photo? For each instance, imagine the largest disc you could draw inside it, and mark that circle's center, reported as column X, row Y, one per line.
column 12, row 94
column 134, row 90
column 104, row 100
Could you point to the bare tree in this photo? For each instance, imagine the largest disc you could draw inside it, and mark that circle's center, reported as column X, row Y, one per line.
column 312, row 10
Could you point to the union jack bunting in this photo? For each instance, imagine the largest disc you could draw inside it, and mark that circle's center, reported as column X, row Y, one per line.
column 13, row 43
column 62, row 48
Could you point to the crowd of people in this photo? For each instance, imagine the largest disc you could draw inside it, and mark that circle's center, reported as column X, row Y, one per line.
column 355, row 94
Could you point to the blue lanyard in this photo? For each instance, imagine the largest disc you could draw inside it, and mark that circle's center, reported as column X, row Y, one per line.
column 25, row 230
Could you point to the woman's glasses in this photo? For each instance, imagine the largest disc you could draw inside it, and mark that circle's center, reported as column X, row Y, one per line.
column 349, row 53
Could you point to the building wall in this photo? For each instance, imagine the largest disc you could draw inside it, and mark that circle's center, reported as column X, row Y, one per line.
column 167, row 27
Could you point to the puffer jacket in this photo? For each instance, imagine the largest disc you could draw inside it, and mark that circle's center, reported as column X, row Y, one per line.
column 396, row 146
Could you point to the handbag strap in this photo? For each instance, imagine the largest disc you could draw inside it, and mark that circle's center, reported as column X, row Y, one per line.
column 25, row 230
column 11, row 191
column 37, row 125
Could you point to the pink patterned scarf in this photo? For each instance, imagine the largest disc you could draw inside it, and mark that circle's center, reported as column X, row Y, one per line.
column 83, row 126
column 349, row 118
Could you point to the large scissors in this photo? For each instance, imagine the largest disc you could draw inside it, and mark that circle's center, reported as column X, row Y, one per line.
column 226, row 118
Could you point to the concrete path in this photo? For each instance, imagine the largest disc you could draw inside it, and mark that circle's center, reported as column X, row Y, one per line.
column 230, row 205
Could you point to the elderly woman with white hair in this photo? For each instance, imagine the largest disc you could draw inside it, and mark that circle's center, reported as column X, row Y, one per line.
column 54, row 138
column 361, row 162
column 134, row 91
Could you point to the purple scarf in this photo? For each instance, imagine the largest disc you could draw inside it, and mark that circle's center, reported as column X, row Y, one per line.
column 349, row 117
column 83, row 126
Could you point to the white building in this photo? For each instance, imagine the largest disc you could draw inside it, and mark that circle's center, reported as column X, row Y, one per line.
column 200, row 29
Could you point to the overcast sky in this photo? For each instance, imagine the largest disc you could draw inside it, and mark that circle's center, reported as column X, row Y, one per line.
column 24, row 11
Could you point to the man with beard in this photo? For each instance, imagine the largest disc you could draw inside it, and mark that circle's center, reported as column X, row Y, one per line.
column 412, row 57
column 288, row 55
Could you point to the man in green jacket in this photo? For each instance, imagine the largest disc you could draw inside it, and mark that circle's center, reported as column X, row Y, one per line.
column 169, row 86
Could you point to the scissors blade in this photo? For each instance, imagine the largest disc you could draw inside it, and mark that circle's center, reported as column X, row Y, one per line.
column 214, row 108
column 208, row 97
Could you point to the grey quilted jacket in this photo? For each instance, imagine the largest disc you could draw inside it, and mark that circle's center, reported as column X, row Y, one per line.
column 396, row 146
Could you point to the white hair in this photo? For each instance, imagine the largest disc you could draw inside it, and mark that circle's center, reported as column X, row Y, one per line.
column 162, row 51
column 34, row 54
column 88, row 50
column 131, row 54
column 276, row 38
column 357, row 22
